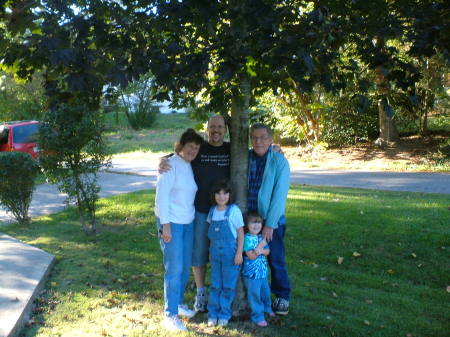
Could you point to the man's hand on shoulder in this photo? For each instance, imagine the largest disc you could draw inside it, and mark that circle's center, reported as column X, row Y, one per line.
column 277, row 148
column 164, row 165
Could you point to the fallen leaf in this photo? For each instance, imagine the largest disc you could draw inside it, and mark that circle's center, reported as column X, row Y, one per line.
column 390, row 271
column 53, row 284
column 356, row 254
column 366, row 322
column 340, row 259
column 334, row 294
column 448, row 289
column 413, row 255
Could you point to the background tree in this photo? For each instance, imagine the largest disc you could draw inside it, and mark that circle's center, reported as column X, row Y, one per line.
column 137, row 100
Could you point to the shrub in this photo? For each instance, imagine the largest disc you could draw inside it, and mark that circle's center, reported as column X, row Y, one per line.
column 141, row 118
column 73, row 151
column 17, row 175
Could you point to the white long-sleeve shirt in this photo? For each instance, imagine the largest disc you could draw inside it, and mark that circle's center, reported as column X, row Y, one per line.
column 175, row 193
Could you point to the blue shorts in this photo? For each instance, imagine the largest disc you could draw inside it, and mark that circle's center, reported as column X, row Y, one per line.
column 200, row 251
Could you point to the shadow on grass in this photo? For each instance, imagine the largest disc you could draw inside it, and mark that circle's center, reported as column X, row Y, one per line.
column 360, row 262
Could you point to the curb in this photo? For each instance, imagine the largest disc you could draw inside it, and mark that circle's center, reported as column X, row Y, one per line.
column 20, row 286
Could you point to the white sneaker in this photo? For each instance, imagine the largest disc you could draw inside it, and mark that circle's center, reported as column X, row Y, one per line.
column 173, row 323
column 222, row 322
column 184, row 311
column 212, row 321
column 201, row 301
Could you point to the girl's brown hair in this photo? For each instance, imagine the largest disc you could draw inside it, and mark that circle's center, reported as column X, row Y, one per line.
column 222, row 185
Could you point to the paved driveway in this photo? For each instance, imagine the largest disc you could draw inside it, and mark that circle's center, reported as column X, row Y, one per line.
column 47, row 199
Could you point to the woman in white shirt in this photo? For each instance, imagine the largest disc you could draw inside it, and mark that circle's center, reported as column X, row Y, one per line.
column 174, row 209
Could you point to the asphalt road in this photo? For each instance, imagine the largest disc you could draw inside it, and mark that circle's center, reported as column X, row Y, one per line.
column 127, row 176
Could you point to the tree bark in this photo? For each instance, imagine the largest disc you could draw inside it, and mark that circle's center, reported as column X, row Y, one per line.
column 239, row 171
column 388, row 129
column 239, row 144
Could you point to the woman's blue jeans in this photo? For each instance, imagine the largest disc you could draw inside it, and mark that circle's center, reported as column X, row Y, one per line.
column 177, row 263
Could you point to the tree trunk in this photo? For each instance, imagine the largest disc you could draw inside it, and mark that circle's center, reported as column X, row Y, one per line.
column 239, row 144
column 239, row 171
column 388, row 129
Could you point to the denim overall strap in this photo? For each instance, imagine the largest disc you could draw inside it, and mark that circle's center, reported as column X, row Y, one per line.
column 219, row 231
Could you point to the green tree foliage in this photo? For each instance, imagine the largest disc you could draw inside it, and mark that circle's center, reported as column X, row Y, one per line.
column 21, row 100
column 72, row 152
column 18, row 171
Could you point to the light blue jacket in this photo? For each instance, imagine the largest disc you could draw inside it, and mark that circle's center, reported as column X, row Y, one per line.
column 274, row 188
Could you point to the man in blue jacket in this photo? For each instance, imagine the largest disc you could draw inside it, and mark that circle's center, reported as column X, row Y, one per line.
column 269, row 178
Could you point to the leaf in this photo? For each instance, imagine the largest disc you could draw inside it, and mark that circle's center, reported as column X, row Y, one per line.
column 356, row 254
column 448, row 289
column 335, row 295
column 366, row 322
column 391, row 271
column 413, row 255
column 340, row 259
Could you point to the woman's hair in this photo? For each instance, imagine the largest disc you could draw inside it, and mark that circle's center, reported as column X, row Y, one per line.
column 222, row 185
column 188, row 136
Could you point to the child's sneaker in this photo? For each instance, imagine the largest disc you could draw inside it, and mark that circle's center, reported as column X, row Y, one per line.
column 222, row 322
column 184, row 311
column 173, row 323
column 201, row 301
column 280, row 306
column 262, row 324
column 212, row 321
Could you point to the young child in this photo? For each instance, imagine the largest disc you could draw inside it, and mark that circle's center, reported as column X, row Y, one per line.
column 226, row 235
column 255, row 270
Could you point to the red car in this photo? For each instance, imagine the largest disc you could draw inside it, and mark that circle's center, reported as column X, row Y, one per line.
column 19, row 136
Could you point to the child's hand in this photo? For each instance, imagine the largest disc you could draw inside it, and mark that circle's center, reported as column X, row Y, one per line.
column 238, row 259
column 258, row 251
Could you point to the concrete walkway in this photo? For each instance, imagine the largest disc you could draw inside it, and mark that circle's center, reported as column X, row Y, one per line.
column 23, row 268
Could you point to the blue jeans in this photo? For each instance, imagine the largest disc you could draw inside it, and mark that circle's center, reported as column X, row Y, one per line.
column 177, row 263
column 200, row 253
column 280, row 284
column 258, row 295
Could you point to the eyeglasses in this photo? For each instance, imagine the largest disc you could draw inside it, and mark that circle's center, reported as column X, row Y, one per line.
column 262, row 139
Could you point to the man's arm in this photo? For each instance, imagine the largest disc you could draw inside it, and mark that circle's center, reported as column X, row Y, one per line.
column 278, row 200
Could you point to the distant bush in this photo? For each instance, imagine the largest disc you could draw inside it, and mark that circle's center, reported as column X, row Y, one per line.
column 17, row 176
column 142, row 118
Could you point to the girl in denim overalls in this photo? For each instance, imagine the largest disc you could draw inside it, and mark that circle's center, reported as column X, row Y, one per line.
column 226, row 235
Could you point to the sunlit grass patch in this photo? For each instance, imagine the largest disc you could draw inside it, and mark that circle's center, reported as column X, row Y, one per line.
column 361, row 263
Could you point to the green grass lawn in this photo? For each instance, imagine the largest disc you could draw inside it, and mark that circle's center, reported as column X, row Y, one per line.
column 157, row 141
column 362, row 263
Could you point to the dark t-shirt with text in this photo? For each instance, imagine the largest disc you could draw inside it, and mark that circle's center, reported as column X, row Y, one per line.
column 211, row 165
